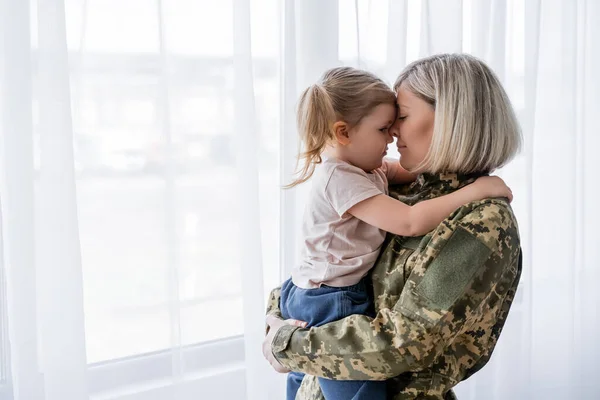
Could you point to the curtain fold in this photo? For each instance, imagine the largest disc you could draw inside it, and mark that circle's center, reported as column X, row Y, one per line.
column 396, row 39
column 246, row 139
column 58, row 257
column 289, row 143
column 441, row 27
column 172, row 236
column 18, row 201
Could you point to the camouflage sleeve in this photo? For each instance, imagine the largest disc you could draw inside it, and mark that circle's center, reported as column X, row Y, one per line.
column 454, row 280
column 273, row 305
column 273, row 302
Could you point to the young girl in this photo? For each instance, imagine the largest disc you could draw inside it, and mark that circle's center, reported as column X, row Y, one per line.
column 343, row 121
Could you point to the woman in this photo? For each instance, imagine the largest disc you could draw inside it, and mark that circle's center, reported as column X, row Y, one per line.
column 441, row 299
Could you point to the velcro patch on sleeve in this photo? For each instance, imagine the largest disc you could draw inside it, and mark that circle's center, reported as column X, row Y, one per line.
column 453, row 269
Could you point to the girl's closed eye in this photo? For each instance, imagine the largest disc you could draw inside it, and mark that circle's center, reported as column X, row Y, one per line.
column 384, row 130
column 402, row 118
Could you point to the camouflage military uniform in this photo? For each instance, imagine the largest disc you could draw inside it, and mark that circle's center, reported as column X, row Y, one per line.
column 441, row 303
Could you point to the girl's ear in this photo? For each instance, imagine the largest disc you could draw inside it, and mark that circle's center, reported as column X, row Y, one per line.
column 340, row 131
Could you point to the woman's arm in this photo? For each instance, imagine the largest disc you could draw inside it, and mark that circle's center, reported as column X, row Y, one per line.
column 393, row 216
column 273, row 302
column 468, row 266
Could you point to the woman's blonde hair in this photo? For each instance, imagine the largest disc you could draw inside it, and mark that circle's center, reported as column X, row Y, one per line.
column 342, row 94
column 475, row 128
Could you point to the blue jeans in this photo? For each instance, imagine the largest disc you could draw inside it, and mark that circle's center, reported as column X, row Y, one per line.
column 321, row 306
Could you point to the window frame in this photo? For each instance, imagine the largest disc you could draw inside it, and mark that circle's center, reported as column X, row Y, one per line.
column 125, row 374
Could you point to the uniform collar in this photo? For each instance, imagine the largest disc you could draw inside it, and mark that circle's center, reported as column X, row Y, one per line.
column 446, row 182
column 429, row 186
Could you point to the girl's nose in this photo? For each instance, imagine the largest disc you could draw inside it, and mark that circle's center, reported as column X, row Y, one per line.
column 394, row 130
column 390, row 137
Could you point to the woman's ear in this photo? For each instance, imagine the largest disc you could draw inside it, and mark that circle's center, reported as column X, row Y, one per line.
column 340, row 130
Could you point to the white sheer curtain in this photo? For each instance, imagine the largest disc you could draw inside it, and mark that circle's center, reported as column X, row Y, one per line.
column 143, row 147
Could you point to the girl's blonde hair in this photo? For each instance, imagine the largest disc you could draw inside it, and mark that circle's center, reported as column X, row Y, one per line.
column 475, row 128
column 342, row 94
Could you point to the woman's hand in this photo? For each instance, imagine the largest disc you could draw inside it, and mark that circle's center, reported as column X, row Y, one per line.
column 274, row 324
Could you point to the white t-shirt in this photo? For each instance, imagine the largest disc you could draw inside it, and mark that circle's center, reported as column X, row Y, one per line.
column 339, row 249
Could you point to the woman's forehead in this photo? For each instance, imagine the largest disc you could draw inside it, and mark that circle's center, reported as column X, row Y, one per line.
column 404, row 96
column 405, row 99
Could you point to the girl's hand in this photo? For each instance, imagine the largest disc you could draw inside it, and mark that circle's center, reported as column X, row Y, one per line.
column 493, row 186
column 274, row 324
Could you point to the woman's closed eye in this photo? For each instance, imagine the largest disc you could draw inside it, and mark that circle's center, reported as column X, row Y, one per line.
column 402, row 117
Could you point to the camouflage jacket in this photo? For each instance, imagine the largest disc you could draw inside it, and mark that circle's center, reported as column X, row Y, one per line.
column 441, row 302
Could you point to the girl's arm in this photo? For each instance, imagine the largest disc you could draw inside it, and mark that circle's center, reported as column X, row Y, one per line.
column 396, row 217
column 396, row 174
